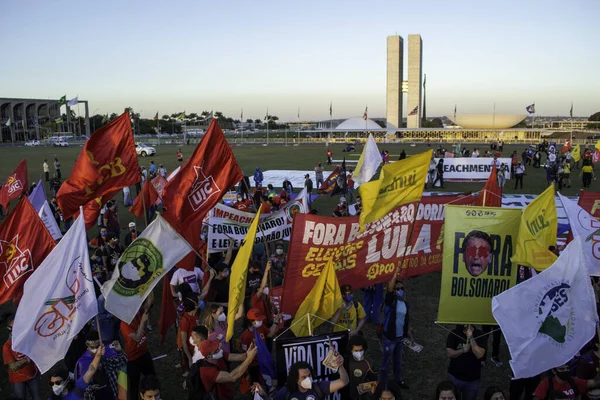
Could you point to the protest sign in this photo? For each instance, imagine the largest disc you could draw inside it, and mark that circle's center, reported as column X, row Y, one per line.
column 370, row 257
column 227, row 223
column 478, row 245
column 471, row 169
column 312, row 350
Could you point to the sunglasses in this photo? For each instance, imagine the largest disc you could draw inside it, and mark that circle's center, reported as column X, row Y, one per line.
column 56, row 383
column 482, row 251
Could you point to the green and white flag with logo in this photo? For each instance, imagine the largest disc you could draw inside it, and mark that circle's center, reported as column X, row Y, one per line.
column 141, row 266
column 547, row 319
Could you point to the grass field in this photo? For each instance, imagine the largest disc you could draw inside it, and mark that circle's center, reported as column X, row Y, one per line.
column 422, row 371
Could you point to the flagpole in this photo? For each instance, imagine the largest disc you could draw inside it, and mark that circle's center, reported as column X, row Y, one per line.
column 571, row 113
column 267, row 126
column 242, row 124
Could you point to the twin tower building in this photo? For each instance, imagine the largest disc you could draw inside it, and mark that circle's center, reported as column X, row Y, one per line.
column 396, row 85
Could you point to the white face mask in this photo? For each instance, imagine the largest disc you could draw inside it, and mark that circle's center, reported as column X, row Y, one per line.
column 279, row 251
column 222, row 317
column 217, row 355
column 192, row 341
column 58, row 389
column 306, row 383
column 258, row 324
column 358, row 355
column 266, row 291
column 93, row 351
column 180, row 296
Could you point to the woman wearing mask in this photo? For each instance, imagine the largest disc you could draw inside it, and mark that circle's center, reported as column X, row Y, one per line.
column 100, row 241
column 215, row 321
column 359, row 369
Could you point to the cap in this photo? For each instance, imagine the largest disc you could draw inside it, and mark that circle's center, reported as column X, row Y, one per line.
column 209, row 346
column 343, row 199
column 132, row 224
column 254, row 314
column 346, row 288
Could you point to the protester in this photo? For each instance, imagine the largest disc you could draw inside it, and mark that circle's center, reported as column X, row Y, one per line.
column 112, row 253
column 494, row 393
column 192, row 278
column 329, row 156
column 179, row 157
column 388, row 390
column 373, row 298
column 136, row 347
column 402, row 155
column 23, row 375
column 587, row 173
column 319, row 175
column 100, row 241
column 465, row 348
column 351, row 315
column 300, row 384
column 188, row 321
column 46, row 169
column 308, row 184
column 278, row 263
column 241, row 204
column 588, row 363
column 216, row 377
column 63, row 387
column 446, row 390
column 152, row 169
column 150, row 388
column 562, row 381
column 359, row 369
column 162, row 171
column 108, row 323
column 265, row 205
column 111, row 219
column 215, row 321
column 256, row 320
column 395, row 328
column 131, row 235
column 440, row 173
column 57, row 168
column 258, row 178
column 144, row 173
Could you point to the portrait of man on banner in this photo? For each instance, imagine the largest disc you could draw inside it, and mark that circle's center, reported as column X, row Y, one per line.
column 477, row 252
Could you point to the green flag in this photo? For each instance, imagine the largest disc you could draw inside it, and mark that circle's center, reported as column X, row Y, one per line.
column 58, row 120
column 62, row 100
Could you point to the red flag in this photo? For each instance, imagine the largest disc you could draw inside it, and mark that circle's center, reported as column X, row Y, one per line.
column 168, row 313
column 146, row 199
column 24, row 243
column 330, row 183
column 200, row 184
column 107, row 163
column 159, row 184
column 491, row 194
column 15, row 184
column 566, row 147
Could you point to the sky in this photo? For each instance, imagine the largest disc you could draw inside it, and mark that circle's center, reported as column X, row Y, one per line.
column 230, row 55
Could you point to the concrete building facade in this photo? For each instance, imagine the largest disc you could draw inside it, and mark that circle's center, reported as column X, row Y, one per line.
column 396, row 85
column 395, row 75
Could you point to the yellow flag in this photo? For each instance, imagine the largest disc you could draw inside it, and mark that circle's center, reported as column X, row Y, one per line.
column 575, row 153
column 537, row 231
column 239, row 272
column 399, row 183
column 324, row 299
column 597, row 145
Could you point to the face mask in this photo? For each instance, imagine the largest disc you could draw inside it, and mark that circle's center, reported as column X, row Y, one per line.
column 180, row 296
column 358, row 355
column 58, row 389
column 93, row 351
column 239, row 199
column 192, row 341
column 103, row 234
column 347, row 298
column 258, row 324
column 225, row 273
column 266, row 291
column 222, row 317
column 400, row 293
column 217, row 355
column 279, row 251
column 306, row 383
column 132, row 229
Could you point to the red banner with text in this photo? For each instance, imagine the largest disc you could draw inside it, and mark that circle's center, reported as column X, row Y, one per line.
column 370, row 257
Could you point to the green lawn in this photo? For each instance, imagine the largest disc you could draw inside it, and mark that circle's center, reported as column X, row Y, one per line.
column 421, row 371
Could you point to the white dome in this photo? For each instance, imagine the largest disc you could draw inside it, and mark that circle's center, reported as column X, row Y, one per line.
column 488, row 121
column 359, row 124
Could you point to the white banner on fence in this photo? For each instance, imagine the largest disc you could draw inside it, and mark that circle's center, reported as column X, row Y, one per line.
column 227, row 223
column 471, row 169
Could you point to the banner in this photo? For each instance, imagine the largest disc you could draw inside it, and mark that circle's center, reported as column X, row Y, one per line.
column 472, row 169
column 227, row 223
column 478, row 246
column 368, row 258
column 49, row 221
column 590, row 202
column 312, row 350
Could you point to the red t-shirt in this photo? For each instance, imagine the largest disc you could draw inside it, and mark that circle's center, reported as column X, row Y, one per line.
column 260, row 301
column 265, row 208
column 133, row 349
column 25, row 373
column 186, row 324
column 248, row 336
column 541, row 392
column 225, row 391
column 243, row 205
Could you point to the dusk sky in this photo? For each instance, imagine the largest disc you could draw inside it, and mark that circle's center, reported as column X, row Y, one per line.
column 168, row 56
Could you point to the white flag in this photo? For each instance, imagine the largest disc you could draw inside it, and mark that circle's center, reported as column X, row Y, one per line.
column 73, row 102
column 141, row 266
column 547, row 319
column 48, row 219
column 367, row 163
column 58, row 300
column 584, row 226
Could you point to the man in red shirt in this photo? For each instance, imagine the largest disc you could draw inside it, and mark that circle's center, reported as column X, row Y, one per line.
column 23, row 375
column 136, row 347
column 188, row 322
column 110, row 219
column 562, row 381
column 241, row 204
column 216, row 378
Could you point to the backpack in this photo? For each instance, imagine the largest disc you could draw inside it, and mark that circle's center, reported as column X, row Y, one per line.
column 194, row 384
column 316, row 388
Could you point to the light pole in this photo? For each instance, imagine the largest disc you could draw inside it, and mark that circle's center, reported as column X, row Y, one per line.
column 94, row 120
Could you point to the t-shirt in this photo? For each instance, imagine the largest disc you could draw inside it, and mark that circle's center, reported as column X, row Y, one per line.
column 587, row 169
column 186, row 324
column 466, row 367
column 253, row 282
column 220, row 288
column 112, row 256
column 359, row 372
column 112, row 222
column 265, row 208
column 25, row 373
column 400, row 317
column 192, row 278
column 308, row 395
column 243, row 205
column 541, row 392
column 220, row 334
column 262, row 302
column 225, row 391
column 133, row 349
column 248, row 336
column 81, row 386
column 348, row 318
